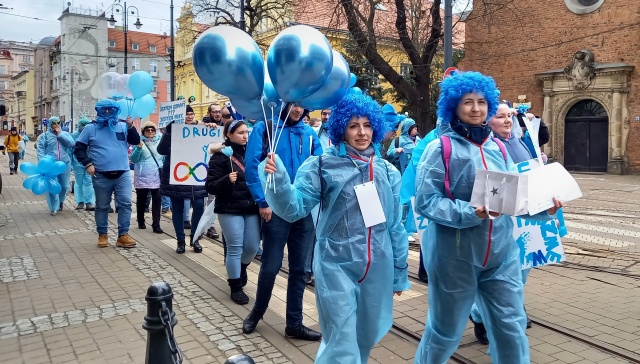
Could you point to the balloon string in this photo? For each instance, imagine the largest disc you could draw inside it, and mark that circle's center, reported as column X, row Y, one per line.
column 282, row 129
column 264, row 113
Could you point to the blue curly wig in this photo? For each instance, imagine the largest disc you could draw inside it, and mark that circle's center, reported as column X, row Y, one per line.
column 454, row 87
column 523, row 108
column 355, row 104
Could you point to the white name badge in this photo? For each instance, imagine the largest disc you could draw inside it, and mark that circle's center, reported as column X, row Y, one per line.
column 370, row 205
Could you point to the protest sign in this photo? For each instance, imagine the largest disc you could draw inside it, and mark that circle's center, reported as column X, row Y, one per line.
column 539, row 242
column 420, row 221
column 172, row 111
column 190, row 153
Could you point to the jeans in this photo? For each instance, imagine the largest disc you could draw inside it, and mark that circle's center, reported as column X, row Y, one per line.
column 83, row 187
column 55, row 200
column 298, row 236
column 187, row 207
column 141, row 202
column 166, row 202
column 178, row 206
column 13, row 161
column 122, row 188
column 242, row 233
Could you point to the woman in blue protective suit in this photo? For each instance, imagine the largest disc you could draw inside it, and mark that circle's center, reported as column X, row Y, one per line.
column 57, row 143
column 357, row 268
column 470, row 254
column 83, row 187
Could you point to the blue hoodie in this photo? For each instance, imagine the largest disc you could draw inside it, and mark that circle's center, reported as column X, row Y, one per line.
column 298, row 142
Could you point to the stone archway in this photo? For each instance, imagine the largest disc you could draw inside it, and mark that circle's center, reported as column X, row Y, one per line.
column 608, row 84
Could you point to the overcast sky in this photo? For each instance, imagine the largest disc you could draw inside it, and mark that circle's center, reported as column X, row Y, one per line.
column 18, row 24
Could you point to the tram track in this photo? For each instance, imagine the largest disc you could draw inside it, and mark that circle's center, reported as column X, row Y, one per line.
column 411, row 336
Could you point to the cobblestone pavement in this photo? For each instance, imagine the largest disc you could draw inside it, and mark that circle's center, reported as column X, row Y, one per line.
column 65, row 300
column 68, row 301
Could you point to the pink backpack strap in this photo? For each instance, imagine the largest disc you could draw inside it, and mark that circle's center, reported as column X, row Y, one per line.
column 445, row 143
column 503, row 150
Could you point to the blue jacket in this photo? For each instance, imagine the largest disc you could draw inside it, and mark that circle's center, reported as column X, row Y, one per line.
column 146, row 169
column 57, row 146
column 297, row 143
column 405, row 142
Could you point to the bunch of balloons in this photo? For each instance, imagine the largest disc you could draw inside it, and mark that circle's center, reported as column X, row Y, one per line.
column 132, row 92
column 300, row 68
column 43, row 176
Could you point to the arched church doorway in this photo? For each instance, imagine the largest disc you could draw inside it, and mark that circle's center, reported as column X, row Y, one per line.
column 586, row 137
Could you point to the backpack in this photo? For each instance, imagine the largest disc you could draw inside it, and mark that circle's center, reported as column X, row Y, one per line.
column 445, row 142
column 401, row 160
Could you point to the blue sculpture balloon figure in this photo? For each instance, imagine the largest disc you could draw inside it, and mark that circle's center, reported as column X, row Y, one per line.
column 54, row 166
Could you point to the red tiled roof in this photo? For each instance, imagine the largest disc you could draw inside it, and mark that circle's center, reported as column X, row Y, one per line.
column 144, row 40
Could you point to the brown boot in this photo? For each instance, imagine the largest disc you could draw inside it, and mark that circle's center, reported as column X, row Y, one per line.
column 125, row 241
column 103, row 241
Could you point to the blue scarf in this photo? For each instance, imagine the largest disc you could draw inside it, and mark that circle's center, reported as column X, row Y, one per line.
column 477, row 134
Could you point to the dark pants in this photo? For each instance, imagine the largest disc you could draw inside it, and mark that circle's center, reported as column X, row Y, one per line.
column 177, row 206
column 421, row 270
column 141, row 201
column 298, row 237
column 13, row 161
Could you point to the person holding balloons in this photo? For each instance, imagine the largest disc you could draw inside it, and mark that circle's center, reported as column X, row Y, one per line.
column 359, row 264
column 102, row 148
column 56, row 143
column 83, row 187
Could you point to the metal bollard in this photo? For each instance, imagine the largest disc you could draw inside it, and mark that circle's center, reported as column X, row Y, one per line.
column 240, row 359
column 159, row 321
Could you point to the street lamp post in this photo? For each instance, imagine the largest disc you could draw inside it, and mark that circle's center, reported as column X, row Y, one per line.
column 125, row 20
column 64, row 79
column 172, row 66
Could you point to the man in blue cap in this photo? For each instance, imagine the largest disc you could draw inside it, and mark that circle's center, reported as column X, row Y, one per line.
column 102, row 148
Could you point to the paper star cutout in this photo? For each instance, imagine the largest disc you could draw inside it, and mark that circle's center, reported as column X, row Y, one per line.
column 494, row 191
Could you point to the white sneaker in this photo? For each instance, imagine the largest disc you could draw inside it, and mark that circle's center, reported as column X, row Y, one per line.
column 411, row 239
column 54, row 213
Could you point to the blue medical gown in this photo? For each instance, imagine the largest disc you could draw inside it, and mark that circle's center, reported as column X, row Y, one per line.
column 356, row 269
column 466, row 255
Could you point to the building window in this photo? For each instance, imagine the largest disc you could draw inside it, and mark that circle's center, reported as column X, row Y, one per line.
column 406, row 70
column 3, row 70
column 155, row 87
column 136, row 64
column 153, row 65
column 23, row 68
column 26, row 58
column 135, row 46
column 380, row 6
column 3, row 85
column 152, row 48
column 112, row 43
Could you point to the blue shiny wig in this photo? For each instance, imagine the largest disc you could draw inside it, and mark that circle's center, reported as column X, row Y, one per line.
column 359, row 105
column 523, row 108
column 459, row 84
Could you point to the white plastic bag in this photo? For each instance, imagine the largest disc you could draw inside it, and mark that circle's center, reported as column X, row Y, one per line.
column 21, row 145
column 207, row 220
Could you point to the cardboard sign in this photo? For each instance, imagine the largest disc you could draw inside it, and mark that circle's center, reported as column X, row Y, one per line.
column 539, row 242
column 172, row 111
column 190, row 153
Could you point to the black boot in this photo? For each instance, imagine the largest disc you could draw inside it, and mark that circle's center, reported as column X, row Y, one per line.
column 480, row 332
column 237, row 294
column 249, row 324
column 243, row 274
column 302, row 333
column 528, row 319
column 157, row 229
column 196, row 246
column 422, row 276
column 181, row 247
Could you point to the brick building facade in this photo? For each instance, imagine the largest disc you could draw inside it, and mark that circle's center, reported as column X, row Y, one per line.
column 578, row 63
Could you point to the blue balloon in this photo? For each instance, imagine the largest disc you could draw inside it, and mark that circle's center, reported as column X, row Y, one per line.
column 356, row 90
column 269, row 92
column 229, row 62
column 251, row 109
column 53, row 186
column 126, row 108
column 140, row 83
column 28, row 168
column 45, row 164
column 28, row 183
column 333, row 90
column 144, row 106
column 39, row 185
column 353, row 80
column 56, row 169
column 299, row 61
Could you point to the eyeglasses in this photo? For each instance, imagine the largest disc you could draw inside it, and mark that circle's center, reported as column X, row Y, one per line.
column 152, row 130
column 226, row 116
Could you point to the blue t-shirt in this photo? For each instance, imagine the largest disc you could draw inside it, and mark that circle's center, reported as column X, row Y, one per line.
column 108, row 150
